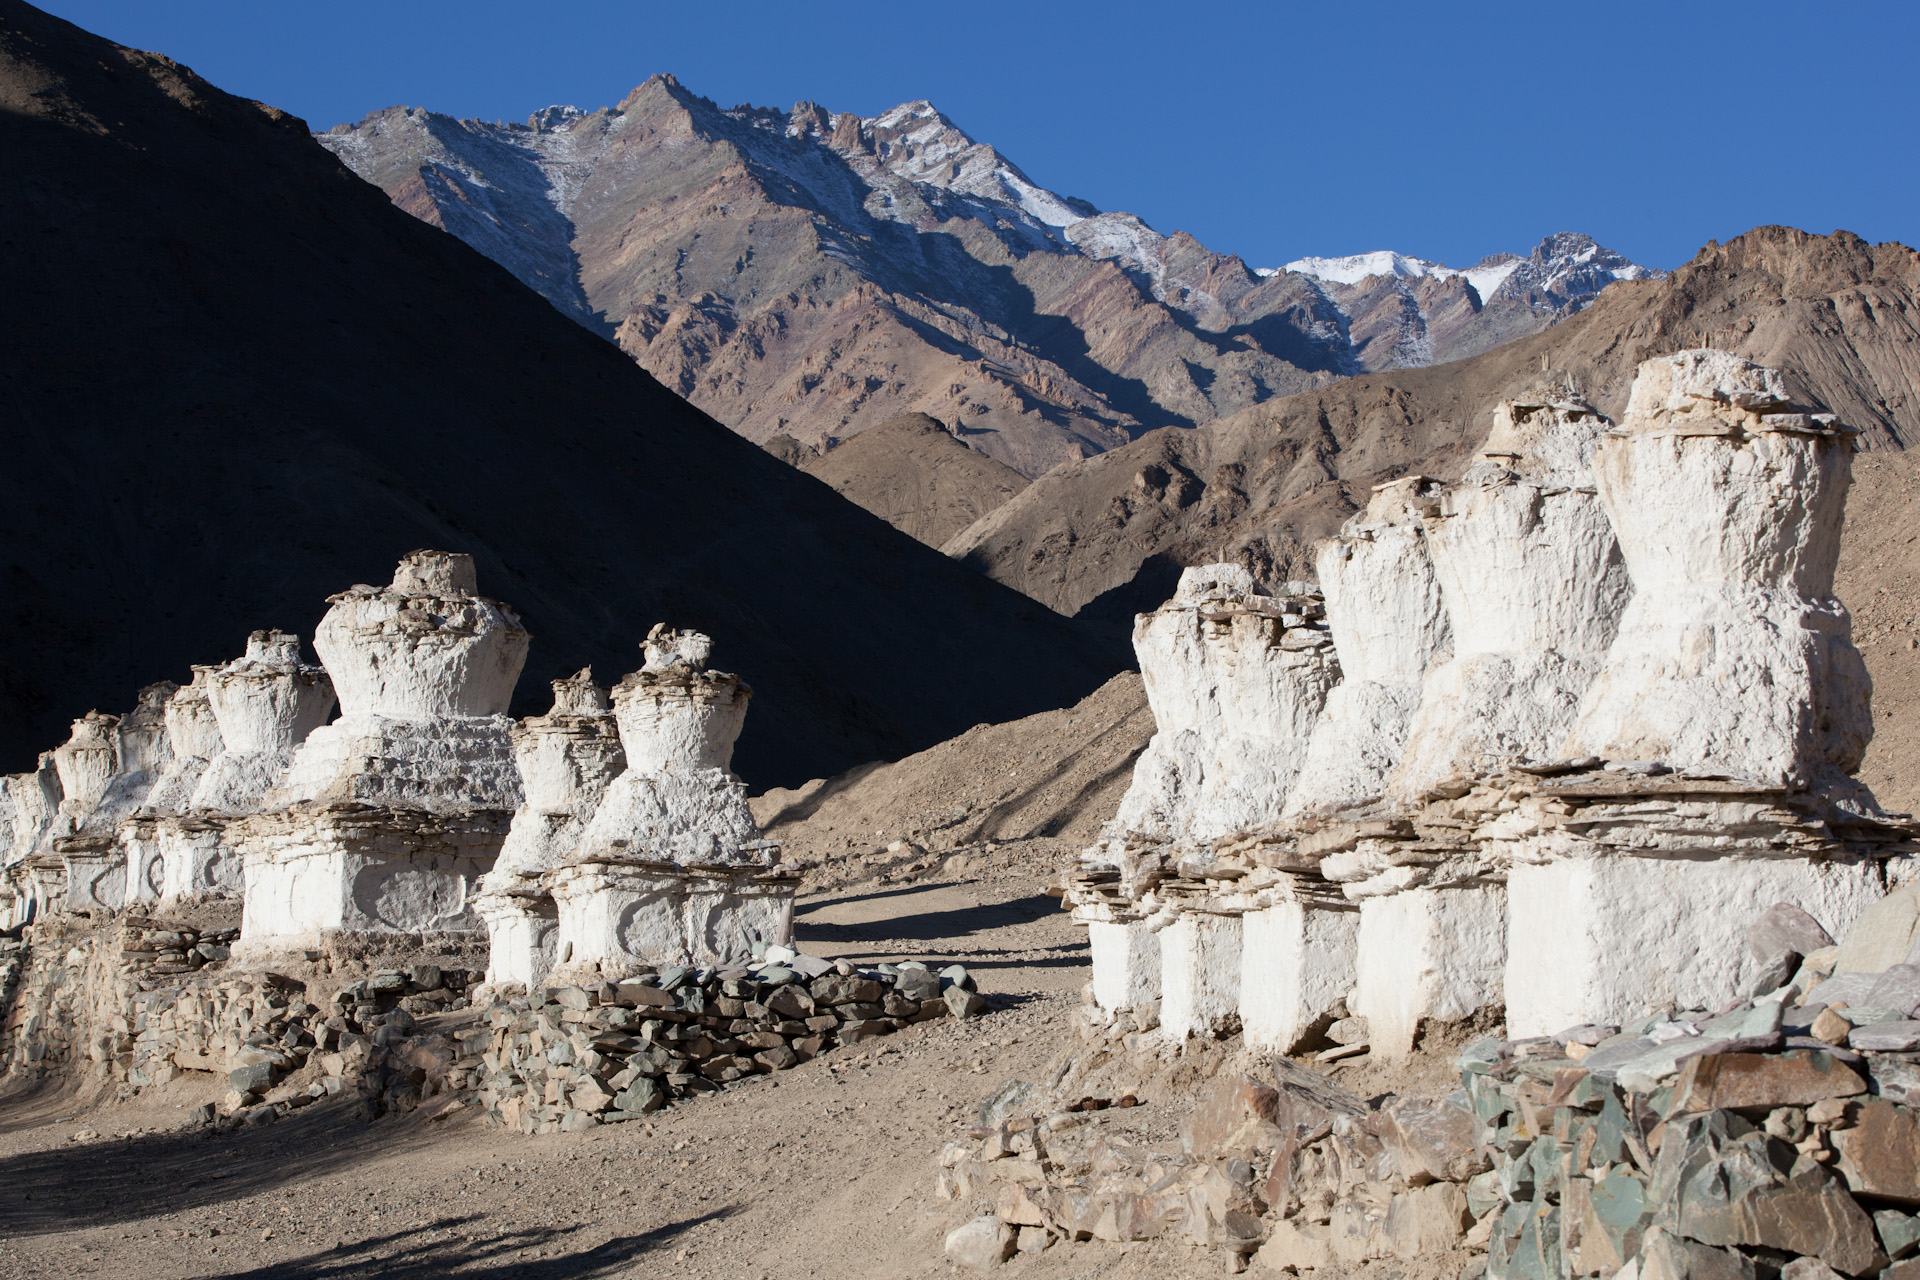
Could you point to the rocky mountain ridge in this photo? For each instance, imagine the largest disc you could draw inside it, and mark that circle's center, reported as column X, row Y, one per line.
column 812, row 274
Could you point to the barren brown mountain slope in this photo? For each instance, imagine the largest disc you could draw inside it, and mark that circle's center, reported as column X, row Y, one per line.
column 912, row 473
column 1841, row 317
column 808, row 274
column 1879, row 581
column 236, row 379
column 1056, row 776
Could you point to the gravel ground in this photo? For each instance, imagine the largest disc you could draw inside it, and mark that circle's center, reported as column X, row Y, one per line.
column 826, row 1170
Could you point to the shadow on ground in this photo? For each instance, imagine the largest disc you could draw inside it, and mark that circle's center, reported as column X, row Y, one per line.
column 927, row 926
column 96, row 1184
column 411, row 1255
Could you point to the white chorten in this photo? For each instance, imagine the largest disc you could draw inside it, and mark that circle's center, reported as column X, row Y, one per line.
column 671, row 868
column 567, row 758
column 264, row 705
column 387, row 817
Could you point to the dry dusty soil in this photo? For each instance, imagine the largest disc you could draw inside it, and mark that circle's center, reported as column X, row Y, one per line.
column 826, row 1170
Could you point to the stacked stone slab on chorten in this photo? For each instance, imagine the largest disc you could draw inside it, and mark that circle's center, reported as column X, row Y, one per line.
column 1624, row 726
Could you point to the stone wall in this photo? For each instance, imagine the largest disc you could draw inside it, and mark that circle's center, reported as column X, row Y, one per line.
column 581, row 1056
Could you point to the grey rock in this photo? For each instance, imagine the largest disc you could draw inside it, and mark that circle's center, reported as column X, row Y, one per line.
column 1773, row 974
column 642, row 1096
column 965, row 1003
column 810, row 967
column 1348, row 1031
column 1843, row 988
column 1897, row 1079
column 1898, row 988
column 847, row 989
column 1886, row 1037
column 1730, row 1185
column 956, row 975
column 917, row 984
column 1885, row 933
column 1784, row 928
column 1808, row 1269
column 1799, row 1021
column 791, row 1001
column 777, row 1059
column 1899, row 1232
column 255, row 1077
column 982, row 1244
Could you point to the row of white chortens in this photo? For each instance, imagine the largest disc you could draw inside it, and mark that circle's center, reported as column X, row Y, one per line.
column 1548, row 738
column 603, row 836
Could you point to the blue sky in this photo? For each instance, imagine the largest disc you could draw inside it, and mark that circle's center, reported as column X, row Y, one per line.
column 1269, row 130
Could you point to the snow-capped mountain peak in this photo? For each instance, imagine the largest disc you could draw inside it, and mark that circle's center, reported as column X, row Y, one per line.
column 1566, row 264
column 914, row 141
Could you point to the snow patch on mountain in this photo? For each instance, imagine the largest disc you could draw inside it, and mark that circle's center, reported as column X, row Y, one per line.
column 1485, row 279
column 918, row 143
column 1122, row 238
column 1357, row 267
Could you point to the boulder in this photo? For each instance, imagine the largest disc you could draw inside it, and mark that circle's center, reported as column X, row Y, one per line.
column 1880, row 1152
column 982, row 1244
column 1884, row 935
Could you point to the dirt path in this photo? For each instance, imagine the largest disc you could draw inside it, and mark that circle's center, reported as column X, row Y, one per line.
column 823, row 1171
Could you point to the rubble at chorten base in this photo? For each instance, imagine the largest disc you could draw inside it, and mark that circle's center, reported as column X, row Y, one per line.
column 225, row 879
column 1777, row 1136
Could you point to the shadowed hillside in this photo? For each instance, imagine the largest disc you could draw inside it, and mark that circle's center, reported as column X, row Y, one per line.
column 236, row 379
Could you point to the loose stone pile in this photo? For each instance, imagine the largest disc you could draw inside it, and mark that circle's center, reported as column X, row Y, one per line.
column 1775, row 1136
column 589, row 1055
column 1593, row 707
column 1252, row 1152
